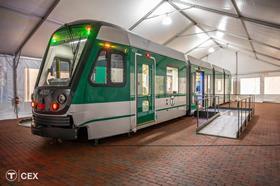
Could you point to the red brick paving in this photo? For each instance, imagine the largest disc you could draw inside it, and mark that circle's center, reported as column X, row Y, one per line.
column 167, row 154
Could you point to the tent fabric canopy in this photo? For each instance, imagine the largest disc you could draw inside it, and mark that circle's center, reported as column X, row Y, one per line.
column 251, row 27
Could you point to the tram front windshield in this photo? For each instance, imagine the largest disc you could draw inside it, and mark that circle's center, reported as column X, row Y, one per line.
column 63, row 55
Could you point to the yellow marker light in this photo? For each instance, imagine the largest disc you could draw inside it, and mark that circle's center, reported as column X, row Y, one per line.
column 88, row 29
column 107, row 45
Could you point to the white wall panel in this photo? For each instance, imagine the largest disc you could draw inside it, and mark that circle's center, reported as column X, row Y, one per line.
column 249, row 65
column 37, row 44
column 188, row 40
column 246, row 64
column 233, row 40
column 216, row 20
column 264, row 34
column 33, row 7
column 203, row 49
column 13, row 29
column 121, row 12
column 224, row 5
column 267, row 10
column 267, row 50
column 269, row 59
column 223, row 58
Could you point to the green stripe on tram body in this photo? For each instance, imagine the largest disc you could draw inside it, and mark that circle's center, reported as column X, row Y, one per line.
column 168, row 108
column 104, row 119
column 125, row 116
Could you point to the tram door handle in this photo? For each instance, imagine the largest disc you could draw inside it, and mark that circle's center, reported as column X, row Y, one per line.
column 166, row 102
column 172, row 102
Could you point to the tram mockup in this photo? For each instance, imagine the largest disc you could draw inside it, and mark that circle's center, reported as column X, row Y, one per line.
column 100, row 80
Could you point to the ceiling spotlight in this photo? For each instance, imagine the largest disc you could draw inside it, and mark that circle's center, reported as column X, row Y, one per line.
column 211, row 50
column 220, row 34
column 166, row 20
column 227, row 7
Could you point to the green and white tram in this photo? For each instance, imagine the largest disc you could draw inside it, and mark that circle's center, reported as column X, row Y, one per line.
column 106, row 80
column 103, row 80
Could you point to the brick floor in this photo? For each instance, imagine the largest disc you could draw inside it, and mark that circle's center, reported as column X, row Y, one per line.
column 167, row 154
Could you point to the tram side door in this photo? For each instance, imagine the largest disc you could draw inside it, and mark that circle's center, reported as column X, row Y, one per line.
column 145, row 99
column 199, row 89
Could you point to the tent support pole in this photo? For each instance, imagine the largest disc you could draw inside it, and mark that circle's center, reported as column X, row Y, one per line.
column 145, row 16
column 16, row 99
column 18, row 53
column 236, row 73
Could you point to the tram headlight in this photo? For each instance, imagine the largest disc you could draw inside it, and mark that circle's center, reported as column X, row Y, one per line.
column 33, row 104
column 55, row 106
column 61, row 99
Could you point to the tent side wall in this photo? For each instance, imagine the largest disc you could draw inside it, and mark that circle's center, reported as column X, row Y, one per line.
column 26, row 76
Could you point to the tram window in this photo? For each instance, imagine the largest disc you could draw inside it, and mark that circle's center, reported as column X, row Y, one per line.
column 109, row 69
column 209, row 83
column 99, row 75
column 63, row 68
column 172, row 82
column 145, row 87
column 59, row 72
column 117, row 68
column 219, row 85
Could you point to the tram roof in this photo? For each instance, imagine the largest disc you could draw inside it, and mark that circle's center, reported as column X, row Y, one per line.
column 199, row 62
column 113, row 33
column 218, row 69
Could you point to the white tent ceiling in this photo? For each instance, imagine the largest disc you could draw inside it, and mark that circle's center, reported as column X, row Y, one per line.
column 251, row 26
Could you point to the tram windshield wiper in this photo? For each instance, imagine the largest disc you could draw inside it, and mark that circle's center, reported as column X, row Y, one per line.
column 75, row 53
column 71, row 37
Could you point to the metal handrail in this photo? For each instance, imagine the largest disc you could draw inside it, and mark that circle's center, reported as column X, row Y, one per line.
column 205, row 99
column 245, row 106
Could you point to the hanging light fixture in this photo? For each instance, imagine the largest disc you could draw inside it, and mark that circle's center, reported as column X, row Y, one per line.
column 166, row 20
column 219, row 34
column 211, row 50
